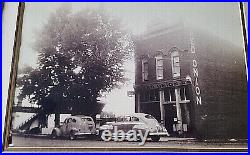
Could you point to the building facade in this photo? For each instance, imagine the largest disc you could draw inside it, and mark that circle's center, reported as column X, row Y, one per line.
column 192, row 82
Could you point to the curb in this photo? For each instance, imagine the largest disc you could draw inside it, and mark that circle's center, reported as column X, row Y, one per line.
column 163, row 139
column 31, row 135
column 180, row 139
column 47, row 136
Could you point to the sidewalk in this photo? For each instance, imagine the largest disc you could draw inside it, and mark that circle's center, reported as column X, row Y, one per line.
column 31, row 135
column 163, row 139
column 47, row 136
column 224, row 141
column 177, row 139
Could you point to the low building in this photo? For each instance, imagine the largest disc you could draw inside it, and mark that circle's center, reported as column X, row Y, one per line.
column 192, row 82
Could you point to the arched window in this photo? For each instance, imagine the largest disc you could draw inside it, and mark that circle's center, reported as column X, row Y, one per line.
column 175, row 59
column 144, row 69
column 159, row 67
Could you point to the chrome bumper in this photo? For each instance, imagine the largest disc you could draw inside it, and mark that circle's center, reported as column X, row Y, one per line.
column 85, row 133
column 158, row 134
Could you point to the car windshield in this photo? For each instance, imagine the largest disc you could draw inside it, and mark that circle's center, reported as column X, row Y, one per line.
column 127, row 119
column 135, row 119
column 120, row 119
column 123, row 119
column 86, row 119
column 149, row 117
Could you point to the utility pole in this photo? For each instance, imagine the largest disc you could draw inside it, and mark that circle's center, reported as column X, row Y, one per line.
column 178, row 111
column 162, row 100
column 57, row 114
column 138, row 102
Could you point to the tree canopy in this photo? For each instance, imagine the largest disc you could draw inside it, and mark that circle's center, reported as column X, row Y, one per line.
column 80, row 55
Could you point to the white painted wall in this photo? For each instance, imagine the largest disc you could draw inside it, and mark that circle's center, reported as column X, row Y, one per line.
column 51, row 123
column 34, row 124
column 19, row 118
column 51, row 119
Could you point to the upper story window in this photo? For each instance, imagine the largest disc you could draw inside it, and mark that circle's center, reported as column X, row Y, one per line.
column 144, row 70
column 175, row 59
column 159, row 67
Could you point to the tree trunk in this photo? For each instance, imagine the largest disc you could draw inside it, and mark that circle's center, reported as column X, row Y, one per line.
column 57, row 119
column 57, row 115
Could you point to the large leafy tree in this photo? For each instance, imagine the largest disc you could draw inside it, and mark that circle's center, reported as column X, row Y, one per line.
column 81, row 55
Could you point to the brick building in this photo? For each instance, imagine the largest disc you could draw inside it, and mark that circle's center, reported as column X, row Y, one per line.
column 192, row 82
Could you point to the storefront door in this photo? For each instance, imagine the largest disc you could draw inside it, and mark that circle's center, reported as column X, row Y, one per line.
column 177, row 111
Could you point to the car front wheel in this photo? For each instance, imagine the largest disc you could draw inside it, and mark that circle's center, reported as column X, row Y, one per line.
column 155, row 138
column 100, row 136
column 72, row 135
column 53, row 134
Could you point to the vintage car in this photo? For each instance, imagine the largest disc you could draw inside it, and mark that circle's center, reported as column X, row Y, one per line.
column 75, row 126
column 136, row 121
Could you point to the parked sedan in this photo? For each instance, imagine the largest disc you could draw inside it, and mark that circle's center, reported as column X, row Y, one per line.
column 75, row 126
column 136, row 122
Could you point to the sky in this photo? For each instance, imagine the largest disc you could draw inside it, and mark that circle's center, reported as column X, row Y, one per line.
column 220, row 19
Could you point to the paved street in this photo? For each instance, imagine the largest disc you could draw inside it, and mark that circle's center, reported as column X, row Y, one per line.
column 165, row 144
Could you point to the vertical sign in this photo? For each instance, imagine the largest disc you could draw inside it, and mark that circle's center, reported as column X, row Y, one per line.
column 195, row 70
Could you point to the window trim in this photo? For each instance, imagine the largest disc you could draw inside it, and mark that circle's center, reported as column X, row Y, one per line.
column 159, row 67
column 145, row 71
column 175, row 54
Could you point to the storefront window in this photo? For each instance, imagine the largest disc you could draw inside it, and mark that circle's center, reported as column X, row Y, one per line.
column 154, row 95
column 151, row 95
column 144, row 96
column 184, row 93
column 172, row 94
column 169, row 94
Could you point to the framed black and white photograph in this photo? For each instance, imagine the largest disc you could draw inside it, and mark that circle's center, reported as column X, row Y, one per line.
column 128, row 76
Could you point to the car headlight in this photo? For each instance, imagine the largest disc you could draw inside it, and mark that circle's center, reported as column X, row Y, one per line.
column 75, row 129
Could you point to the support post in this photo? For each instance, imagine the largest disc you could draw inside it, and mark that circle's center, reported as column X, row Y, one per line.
column 57, row 115
column 162, row 100
column 178, row 111
column 57, row 119
column 138, row 102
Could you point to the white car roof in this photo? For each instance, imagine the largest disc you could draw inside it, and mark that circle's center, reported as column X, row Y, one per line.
column 136, row 114
column 79, row 116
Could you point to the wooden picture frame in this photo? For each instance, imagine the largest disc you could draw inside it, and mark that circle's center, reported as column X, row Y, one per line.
column 144, row 46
